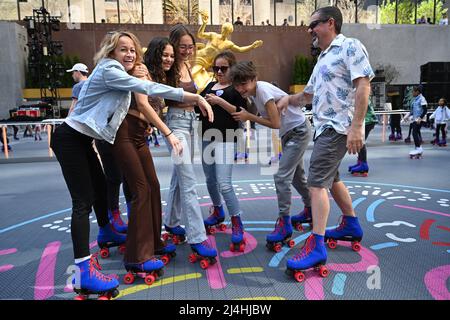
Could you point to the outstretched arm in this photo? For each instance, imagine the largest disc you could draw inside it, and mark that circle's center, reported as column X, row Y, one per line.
column 254, row 45
column 201, row 31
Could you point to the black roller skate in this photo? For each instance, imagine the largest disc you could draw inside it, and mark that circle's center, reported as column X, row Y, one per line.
column 348, row 230
column 304, row 216
column 177, row 234
column 108, row 238
column 281, row 235
column 312, row 255
column 204, row 253
column 215, row 219
column 149, row 270
column 91, row 281
column 237, row 234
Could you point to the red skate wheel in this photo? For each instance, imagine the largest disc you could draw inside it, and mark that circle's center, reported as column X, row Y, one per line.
column 80, row 297
column 222, row 227
column 192, row 258
column 241, row 247
column 122, row 249
column 299, row 276
column 104, row 253
column 175, row 240
column 323, row 271
column 165, row 259
column 298, row 227
column 104, row 298
column 165, row 236
column 291, row 243
column 128, row 278
column 232, row 247
column 212, row 230
column 204, row 264
column 277, row 247
column 356, row 246
column 332, row 244
column 149, row 279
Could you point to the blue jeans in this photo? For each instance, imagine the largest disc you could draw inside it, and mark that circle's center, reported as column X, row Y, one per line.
column 182, row 193
column 217, row 161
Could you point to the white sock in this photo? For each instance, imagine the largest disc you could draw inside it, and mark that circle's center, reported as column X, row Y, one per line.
column 80, row 260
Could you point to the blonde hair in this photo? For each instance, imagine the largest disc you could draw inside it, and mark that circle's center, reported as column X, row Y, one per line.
column 110, row 42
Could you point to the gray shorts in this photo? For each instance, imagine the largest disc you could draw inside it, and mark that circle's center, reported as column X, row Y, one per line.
column 329, row 149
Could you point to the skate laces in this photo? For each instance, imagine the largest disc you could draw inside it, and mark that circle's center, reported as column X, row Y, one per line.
column 309, row 246
column 279, row 224
column 236, row 227
column 116, row 218
column 94, row 268
column 342, row 224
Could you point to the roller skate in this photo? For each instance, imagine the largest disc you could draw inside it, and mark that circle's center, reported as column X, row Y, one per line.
column 361, row 171
column 237, row 234
column 392, row 137
column 348, row 230
column 8, row 146
column 416, row 153
column 92, row 281
column 116, row 221
column 215, row 219
column 241, row 155
column 434, row 142
column 408, row 140
column 354, row 166
column 204, row 253
column 281, row 235
column 304, row 216
column 177, row 234
column 312, row 255
column 442, row 143
column 398, row 137
column 108, row 238
column 150, row 270
column 166, row 253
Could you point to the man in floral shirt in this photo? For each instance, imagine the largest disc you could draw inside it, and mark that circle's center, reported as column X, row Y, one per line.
column 339, row 91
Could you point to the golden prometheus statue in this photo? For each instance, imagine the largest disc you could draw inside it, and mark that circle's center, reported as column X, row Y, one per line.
column 216, row 44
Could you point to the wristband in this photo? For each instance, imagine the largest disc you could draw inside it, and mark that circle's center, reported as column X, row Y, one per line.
column 171, row 131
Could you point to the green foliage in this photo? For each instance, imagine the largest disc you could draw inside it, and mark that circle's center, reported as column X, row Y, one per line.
column 302, row 69
column 406, row 9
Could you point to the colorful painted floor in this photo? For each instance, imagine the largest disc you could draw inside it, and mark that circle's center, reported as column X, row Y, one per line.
column 403, row 206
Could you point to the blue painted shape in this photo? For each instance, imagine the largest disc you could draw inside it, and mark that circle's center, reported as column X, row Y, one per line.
column 34, row 220
column 370, row 213
column 339, row 284
column 448, row 251
column 357, row 202
column 384, row 245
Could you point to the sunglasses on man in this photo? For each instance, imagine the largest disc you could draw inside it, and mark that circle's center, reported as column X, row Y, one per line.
column 222, row 68
column 315, row 23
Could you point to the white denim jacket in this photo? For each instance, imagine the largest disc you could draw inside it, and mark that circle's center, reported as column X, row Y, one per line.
column 105, row 98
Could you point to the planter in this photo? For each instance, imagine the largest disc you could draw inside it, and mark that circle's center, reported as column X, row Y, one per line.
column 296, row 88
column 35, row 93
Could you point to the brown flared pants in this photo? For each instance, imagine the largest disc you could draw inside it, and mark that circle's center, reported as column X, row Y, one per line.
column 144, row 219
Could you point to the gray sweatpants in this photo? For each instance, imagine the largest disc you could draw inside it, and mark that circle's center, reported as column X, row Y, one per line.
column 291, row 169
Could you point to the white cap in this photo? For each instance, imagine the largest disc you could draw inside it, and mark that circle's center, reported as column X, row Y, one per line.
column 79, row 67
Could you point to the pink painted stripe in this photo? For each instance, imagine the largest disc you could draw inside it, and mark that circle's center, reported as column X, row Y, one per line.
column 368, row 258
column 92, row 244
column 436, row 282
column 214, row 273
column 7, row 251
column 422, row 210
column 6, row 267
column 313, row 286
column 250, row 245
column 45, row 276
